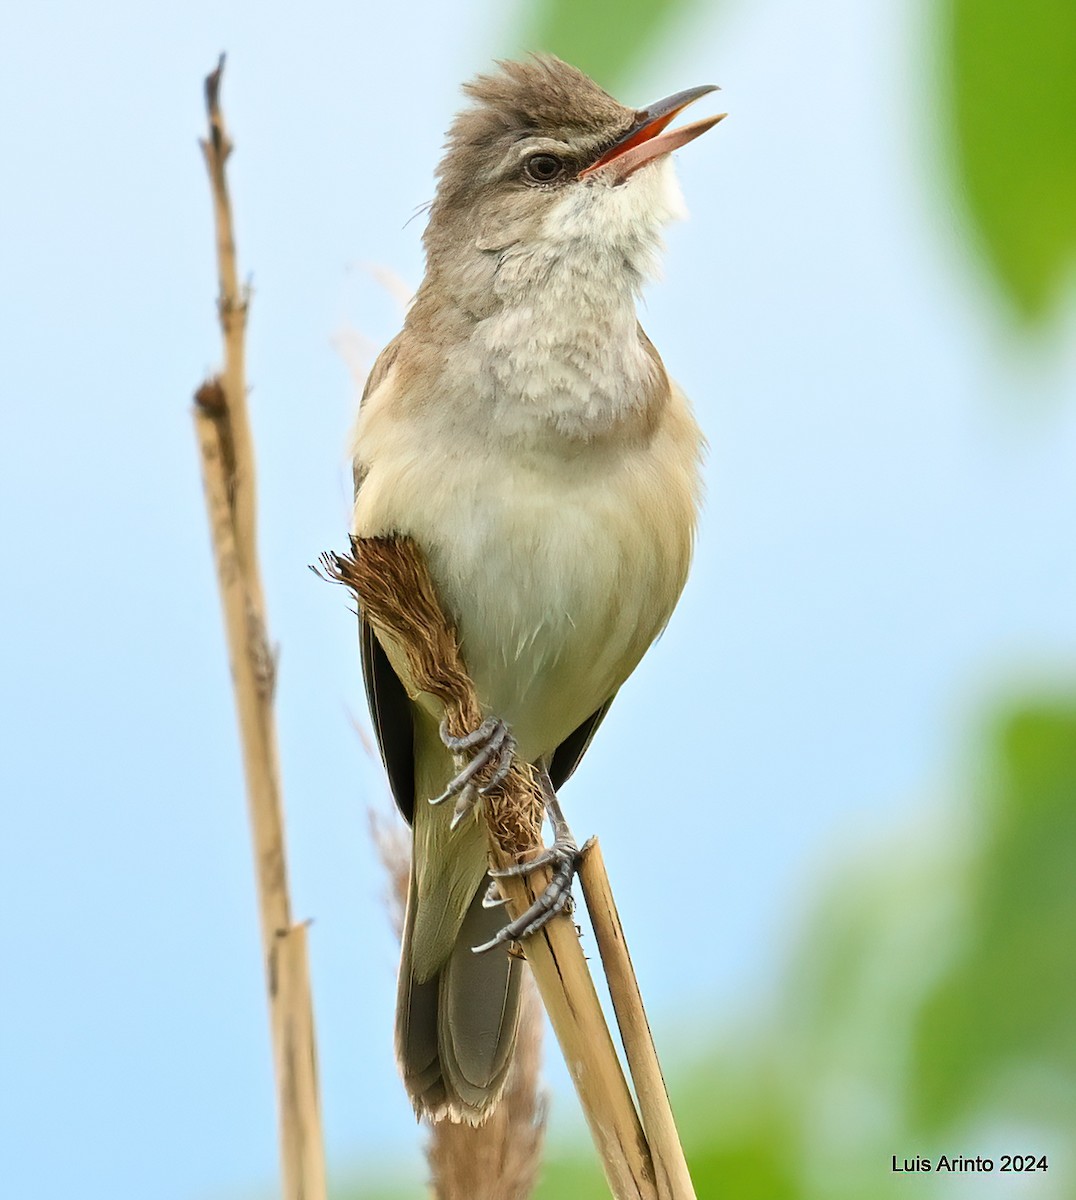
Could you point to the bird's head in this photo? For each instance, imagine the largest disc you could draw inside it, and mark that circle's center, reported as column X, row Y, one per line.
column 545, row 160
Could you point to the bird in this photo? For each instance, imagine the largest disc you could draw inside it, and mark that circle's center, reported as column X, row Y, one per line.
column 522, row 430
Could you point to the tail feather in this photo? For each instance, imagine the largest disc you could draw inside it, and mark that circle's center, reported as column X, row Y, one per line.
column 455, row 1031
column 416, row 1040
column 479, row 1004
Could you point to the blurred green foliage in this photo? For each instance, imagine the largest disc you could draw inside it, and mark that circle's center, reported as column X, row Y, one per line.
column 604, row 38
column 934, row 977
column 1010, row 79
column 933, row 992
column 1007, row 1005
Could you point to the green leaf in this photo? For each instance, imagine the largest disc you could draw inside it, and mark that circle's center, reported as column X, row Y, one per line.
column 1012, row 90
column 750, row 1166
column 565, row 1175
column 1004, row 1011
column 605, row 38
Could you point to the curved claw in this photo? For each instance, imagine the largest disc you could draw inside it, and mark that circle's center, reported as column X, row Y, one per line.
column 493, row 897
column 523, row 868
column 465, row 805
column 504, row 765
column 468, row 741
column 495, row 741
column 556, row 898
column 538, row 915
column 558, row 853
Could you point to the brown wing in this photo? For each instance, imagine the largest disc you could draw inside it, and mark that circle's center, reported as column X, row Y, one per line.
column 569, row 753
column 390, row 709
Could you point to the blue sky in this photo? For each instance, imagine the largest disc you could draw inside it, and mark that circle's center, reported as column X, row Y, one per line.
column 889, row 486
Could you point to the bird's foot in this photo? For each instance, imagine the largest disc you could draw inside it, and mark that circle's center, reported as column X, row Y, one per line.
column 490, row 743
column 563, row 857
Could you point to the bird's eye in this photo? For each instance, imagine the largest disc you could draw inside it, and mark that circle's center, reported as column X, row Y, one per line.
column 543, row 168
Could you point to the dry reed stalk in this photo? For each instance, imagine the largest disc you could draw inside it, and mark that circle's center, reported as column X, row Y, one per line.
column 673, row 1177
column 227, row 459
column 395, row 593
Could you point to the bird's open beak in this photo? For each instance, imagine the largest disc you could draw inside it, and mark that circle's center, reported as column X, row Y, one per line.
column 648, row 139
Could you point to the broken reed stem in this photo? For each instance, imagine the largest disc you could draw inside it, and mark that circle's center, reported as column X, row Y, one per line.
column 567, row 989
column 673, row 1178
column 227, row 459
column 389, row 579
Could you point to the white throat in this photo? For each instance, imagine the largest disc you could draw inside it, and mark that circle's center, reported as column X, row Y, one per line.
column 561, row 355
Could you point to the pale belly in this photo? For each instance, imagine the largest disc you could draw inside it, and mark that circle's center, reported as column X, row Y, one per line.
column 558, row 573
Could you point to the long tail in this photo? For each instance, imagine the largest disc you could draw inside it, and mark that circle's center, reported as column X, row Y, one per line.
column 456, row 1029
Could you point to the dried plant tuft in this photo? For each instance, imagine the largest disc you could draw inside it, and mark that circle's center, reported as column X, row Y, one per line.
column 501, row 1158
